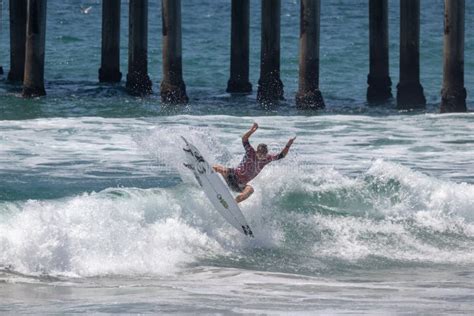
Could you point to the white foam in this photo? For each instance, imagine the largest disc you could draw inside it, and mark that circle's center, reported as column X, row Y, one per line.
column 359, row 238
column 424, row 193
column 99, row 234
column 385, row 225
column 353, row 206
column 348, row 143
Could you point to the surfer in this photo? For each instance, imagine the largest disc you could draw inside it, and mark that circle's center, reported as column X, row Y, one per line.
column 250, row 166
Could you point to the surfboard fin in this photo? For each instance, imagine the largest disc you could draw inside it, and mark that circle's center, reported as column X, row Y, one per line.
column 247, row 231
column 189, row 166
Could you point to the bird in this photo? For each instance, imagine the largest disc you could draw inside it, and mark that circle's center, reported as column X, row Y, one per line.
column 86, row 10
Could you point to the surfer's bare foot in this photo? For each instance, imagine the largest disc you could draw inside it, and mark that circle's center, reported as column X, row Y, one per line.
column 248, row 190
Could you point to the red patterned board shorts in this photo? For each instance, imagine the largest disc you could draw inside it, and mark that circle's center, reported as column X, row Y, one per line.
column 233, row 182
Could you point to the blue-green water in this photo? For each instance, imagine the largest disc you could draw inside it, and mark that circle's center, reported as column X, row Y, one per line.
column 371, row 212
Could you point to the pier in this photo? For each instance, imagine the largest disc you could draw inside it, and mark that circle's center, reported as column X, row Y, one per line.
column 110, row 55
column 1, row 13
column 173, row 89
column 270, row 86
column 308, row 95
column 453, row 94
column 380, row 84
column 409, row 89
column 17, row 40
column 138, row 82
column 239, row 48
column 33, row 79
column 28, row 19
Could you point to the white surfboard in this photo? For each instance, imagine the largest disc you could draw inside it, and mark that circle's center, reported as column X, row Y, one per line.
column 215, row 189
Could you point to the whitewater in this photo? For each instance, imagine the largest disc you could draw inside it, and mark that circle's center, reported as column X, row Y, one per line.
column 367, row 214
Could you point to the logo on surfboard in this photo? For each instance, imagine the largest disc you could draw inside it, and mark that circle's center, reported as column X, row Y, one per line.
column 201, row 167
column 223, row 202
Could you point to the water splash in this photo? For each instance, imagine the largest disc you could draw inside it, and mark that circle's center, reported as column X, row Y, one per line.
column 310, row 222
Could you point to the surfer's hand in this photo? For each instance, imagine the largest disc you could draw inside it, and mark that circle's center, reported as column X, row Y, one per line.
column 252, row 130
column 254, row 127
column 290, row 142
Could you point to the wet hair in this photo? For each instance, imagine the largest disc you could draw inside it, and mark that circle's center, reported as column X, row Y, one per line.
column 262, row 147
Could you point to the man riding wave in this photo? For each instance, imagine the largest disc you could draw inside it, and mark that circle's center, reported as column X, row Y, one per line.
column 250, row 166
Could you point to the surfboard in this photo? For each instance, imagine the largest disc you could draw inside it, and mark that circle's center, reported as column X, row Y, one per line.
column 215, row 189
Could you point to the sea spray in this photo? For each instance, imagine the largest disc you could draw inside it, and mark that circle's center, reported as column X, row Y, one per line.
column 110, row 232
column 301, row 226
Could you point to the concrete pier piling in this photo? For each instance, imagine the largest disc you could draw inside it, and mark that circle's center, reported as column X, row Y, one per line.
column 1, row 12
column 380, row 84
column 409, row 89
column 172, row 89
column 17, row 40
column 239, row 48
column 308, row 95
column 138, row 82
column 110, row 56
column 270, row 87
column 453, row 93
column 33, row 82
column 28, row 33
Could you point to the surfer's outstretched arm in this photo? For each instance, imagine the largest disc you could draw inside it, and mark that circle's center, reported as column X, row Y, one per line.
column 252, row 130
column 285, row 150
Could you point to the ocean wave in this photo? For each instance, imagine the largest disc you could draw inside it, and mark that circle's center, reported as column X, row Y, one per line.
column 304, row 222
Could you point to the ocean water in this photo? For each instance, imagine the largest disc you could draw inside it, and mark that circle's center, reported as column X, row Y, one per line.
column 372, row 212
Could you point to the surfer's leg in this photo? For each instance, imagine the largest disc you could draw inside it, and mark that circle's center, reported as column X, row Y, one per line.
column 246, row 192
column 224, row 171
